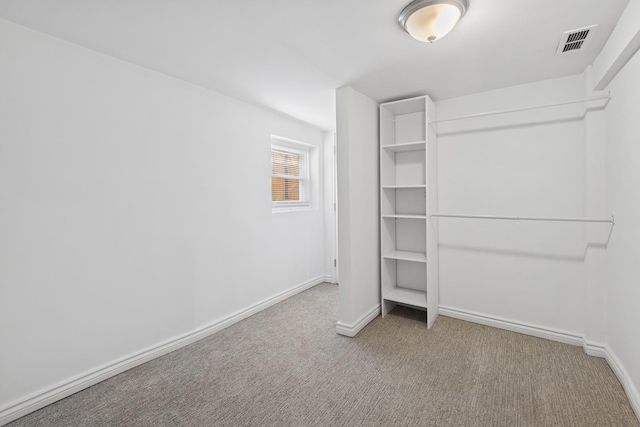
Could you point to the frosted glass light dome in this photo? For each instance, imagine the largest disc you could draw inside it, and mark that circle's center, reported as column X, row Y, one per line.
column 430, row 20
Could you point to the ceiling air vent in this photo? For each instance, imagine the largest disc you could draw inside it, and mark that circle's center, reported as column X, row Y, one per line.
column 574, row 40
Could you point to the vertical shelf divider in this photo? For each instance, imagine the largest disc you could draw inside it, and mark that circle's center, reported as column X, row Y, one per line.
column 431, row 161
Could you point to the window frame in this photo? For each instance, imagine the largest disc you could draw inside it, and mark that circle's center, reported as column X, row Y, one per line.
column 291, row 147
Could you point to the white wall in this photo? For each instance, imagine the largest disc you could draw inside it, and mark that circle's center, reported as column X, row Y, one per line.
column 623, row 189
column 330, row 202
column 520, row 164
column 595, row 207
column 133, row 208
column 358, row 210
column 622, row 44
column 614, row 183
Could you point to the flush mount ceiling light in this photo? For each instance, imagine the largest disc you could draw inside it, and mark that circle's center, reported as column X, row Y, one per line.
column 431, row 20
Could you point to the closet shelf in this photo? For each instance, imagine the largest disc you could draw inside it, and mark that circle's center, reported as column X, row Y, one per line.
column 606, row 96
column 403, row 187
column 407, row 256
column 407, row 146
column 405, row 216
column 408, row 191
column 407, row 296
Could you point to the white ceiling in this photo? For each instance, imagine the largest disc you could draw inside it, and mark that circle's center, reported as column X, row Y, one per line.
column 291, row 55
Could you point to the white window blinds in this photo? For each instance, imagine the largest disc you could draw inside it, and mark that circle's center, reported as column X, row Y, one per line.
column 289, row 178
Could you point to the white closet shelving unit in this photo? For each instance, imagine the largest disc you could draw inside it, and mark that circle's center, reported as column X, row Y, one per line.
column 408, row 193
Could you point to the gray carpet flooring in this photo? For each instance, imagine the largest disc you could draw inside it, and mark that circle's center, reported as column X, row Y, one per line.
column 286, row 366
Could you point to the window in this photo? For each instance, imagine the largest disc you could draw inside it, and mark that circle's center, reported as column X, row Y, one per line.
column 289, row 174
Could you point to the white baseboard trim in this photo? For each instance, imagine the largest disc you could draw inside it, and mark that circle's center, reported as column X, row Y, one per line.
column 623, row 376
column 511, row 325
column 353, row 329
column 42, row 398
column 593, row 349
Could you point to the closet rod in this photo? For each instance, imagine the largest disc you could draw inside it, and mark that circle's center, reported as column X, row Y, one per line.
column 527, row 218
column 515, row 110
